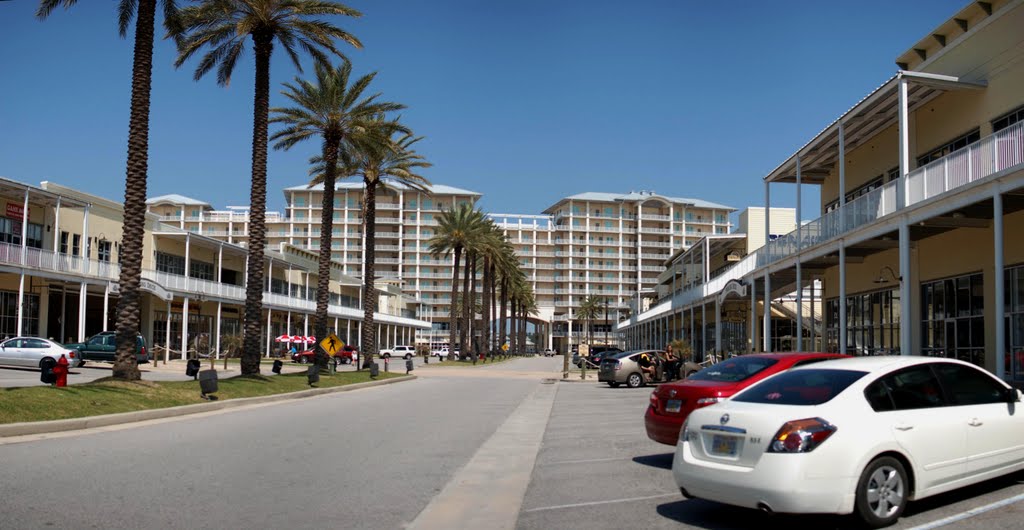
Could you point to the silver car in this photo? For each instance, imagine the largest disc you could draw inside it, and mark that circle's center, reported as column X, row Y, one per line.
column 30, row 351
column 624, row 367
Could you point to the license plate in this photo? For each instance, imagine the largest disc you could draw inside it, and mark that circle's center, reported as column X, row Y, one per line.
column 673, row 405
column 723, row 445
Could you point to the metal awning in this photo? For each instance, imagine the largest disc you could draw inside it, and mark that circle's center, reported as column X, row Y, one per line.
column 870, row 116
column 14, row 190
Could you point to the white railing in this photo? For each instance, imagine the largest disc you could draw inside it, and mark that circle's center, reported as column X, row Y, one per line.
column 654, row 217
column 739, row 270
column 388, row 206
column 175, row 282
column 648, row 230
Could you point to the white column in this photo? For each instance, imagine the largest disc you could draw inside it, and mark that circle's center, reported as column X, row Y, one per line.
column 167, row 337
column 813, row 319
column 766, row 333
column 24, row 231
column 767, row 212
column 904, row 132
column 217, row 352
column 56, row 234
column 394, row 336
column 359, row 331
column 305, row 325
column 269, row 331
column 842, row 296
column 718, row 325
column 753, row 314
column 220, row 261
column 799, row 257
column 85, row 244
column 81, row 312
column 348, row 331
column 703, row 329
column 1000, row 285
column 106, row 305
column 184, row 326
column 21, row 300
column 288, row 323
column 905, row 317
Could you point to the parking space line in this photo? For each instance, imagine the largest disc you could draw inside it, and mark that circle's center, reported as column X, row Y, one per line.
column 969, row 513
column 595, row 503
column 587, row 461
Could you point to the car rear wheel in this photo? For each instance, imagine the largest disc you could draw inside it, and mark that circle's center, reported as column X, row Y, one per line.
column 882, row 492
column 386, row 356
column 613, row 384
column 303, row 360
column 408, row 356
column 634, row 380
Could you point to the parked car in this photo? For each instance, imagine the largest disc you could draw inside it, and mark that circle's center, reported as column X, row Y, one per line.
column 672, row 403
column 347, row 355
column 594, row 356
column 862, row 435
column 548, row 352
column 30, row 351
column 407, row 352
column 103, row 347
column 624, row 367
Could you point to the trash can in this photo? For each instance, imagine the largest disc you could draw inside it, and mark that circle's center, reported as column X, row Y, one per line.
column 208, row 381
column 374, row 369
column 313, row 374
column 277, row 366
column 46, row 374
column 192, row 368
column 408, row 365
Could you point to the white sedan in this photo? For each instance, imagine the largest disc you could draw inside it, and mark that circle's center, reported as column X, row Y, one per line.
column 860, row 435
column 30, row 351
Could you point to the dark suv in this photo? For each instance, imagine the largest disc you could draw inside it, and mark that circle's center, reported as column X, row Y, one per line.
column 103, row 347
column 596, row 354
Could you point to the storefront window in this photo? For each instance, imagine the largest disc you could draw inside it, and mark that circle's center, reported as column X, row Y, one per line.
column 1014, row 303
column 952, row 318
column 872, row 323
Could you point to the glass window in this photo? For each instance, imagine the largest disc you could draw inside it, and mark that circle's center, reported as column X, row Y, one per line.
column 733, row 370
column 955, row 325
column 1008, row 119
column 914, row 388
column 878, row 397
column 800, row 387
column 943, row 150
column 969, row 386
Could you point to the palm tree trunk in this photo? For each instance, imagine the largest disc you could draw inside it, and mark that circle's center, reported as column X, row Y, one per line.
column 475, row 333
column 452, row 327
column 369, row 338
column 485, row 307
column 466, row 294
column 494, row 306
column 250, row 362
column 323, row 280
column 503, row 312
column 126, row 365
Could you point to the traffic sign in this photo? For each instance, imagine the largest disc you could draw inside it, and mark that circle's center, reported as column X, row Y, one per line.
column 504, row 347
column 332, row 344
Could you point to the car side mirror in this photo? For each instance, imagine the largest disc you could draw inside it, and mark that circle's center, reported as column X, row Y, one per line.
column 1011, row 395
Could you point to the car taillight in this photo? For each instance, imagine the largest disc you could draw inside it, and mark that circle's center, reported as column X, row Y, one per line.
column 703, row 402
column 801, row 436
column 143, row 351
column 684, row 433
column 654, row 400
column 71, row 354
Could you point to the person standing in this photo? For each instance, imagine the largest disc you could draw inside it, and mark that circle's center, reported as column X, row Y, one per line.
column 671, row 364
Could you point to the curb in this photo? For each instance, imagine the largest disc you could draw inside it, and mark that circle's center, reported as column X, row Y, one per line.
column 89, row 422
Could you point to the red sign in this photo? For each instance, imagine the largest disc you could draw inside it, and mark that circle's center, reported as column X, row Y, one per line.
column 15, row 211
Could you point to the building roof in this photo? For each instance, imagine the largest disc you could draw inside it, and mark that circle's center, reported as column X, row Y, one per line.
column 174, row 198
column 639, row 196
column 436, row 189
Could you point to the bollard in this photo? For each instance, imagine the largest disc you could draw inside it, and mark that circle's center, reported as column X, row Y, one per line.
column 386, row 364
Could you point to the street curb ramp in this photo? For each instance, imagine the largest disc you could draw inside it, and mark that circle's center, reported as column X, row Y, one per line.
column 90, row 422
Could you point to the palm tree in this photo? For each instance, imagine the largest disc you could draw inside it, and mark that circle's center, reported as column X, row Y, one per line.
column 455, row 231
column 224, row 26
column 386, row 158
column 337, row 112
column 127, row 323
column 491, row 248
column 589, row 309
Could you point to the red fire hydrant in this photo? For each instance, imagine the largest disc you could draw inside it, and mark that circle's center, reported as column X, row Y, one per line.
column 61, row 371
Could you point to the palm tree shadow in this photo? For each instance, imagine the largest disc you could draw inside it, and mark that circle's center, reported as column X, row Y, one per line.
column 660, row 461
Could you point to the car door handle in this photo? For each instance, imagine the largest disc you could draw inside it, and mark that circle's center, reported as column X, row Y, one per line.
column 903, row 427
column 975, row 422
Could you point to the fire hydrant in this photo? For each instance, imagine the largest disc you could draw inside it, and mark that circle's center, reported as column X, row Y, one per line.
column 61, row 371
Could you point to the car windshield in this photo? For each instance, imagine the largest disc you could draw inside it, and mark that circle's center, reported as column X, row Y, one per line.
column 734, row 370
column 621, row 354
column 813, row 386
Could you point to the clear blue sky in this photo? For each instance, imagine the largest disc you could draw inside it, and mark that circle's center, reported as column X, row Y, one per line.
column 525, row 101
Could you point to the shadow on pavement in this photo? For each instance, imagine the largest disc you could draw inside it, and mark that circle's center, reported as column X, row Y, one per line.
column 662, row 461
column 965, row 494
column 715, row 516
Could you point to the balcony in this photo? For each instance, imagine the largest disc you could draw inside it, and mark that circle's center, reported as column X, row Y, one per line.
column 654, row 217
column 386, row 235
column 388, row 206
column 651, row 230
column 992, row 154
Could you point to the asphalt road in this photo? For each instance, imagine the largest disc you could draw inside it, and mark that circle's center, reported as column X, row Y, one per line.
column 389, row 456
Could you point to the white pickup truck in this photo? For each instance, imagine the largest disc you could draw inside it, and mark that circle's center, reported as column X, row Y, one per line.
column 406, row 352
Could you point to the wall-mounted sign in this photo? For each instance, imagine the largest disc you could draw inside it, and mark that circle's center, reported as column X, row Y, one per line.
column 15, row 211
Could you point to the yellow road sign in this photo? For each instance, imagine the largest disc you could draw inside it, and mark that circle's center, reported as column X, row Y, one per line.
column 332, row 344
column 504, row 347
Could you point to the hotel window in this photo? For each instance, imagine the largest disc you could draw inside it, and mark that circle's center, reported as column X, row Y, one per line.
column 170, row 263
column 300, row 201
column 945, row 149
column 872, row 323
column 104, row 251
column 201, row 270
column 300, row 215
column 1014, row 300
column 9, row 314
column 76, row 245
column 1006, row 120
column 952, row 318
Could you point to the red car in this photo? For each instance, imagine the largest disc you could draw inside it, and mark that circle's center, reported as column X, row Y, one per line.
column 346, row 356
column 671, row 403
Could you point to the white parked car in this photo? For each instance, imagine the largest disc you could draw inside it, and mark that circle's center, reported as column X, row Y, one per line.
column 30, row 351
column 860, row 435
column 407, row 352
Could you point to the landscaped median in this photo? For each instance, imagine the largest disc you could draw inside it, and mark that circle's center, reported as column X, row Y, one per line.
column 103, row 402
column 470, row 363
